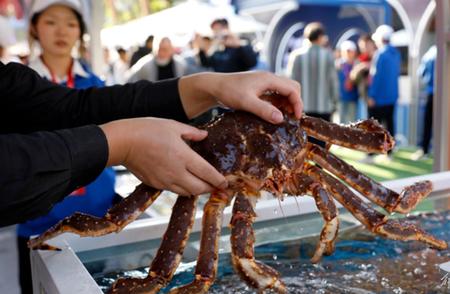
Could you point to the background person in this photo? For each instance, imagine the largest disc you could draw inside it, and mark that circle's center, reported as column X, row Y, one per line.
column 228, row 53
column 191, row 53
column 385, row 72
column 360, row 74
column 57, row 26
column 164, row 64
column 142, row 51
column 426, row 74
column 383, row 88
column 313, row 67
column 347, row 88
column 120, row 67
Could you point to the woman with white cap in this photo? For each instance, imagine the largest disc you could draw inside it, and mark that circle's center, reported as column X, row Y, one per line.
column 58, row 27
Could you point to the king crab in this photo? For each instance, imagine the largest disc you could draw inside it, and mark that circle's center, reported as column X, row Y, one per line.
column 255, row 155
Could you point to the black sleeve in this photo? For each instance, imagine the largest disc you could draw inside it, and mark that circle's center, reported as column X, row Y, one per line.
column 39, row 169
column 30, row 103
column 49, row 141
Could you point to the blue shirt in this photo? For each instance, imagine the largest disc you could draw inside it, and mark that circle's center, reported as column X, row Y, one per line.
column 426, row 69
column 97, row 197
column 350, row 95
column 385, row 72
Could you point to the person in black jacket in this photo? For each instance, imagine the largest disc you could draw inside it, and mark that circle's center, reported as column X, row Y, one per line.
column 228, row 53
column 54, row 139
column 142, row 51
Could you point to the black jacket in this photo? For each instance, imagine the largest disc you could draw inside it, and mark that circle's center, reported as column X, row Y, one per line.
column 230, row 59
column 50, row 143
column 141, row 52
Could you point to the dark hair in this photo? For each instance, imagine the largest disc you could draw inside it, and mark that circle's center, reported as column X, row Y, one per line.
column 220, row 21
column 121, row 50
column 313, row 31
column 365, row 37
column 35, row 18
column 149, row 39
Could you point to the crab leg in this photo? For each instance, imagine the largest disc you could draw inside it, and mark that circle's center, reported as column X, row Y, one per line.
column 374, row 191
column 372, row 219
column 367, row 135
column 115, row 219
column 169, row 253
column 303, row 184
column 206, row 269
column 253, row 272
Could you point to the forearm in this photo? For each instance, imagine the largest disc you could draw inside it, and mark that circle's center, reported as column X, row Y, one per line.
column 41, row 168
column 198, row 93
column 30, row 103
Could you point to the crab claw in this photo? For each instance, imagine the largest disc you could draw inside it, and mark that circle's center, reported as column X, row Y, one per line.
column 412, row 195
column 405, row 231
column 259, row 275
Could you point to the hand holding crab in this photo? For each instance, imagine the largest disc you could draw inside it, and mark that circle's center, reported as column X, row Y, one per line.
column 167, row 162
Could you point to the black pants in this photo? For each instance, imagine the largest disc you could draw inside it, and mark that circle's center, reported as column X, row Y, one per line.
column 426, row 138
column 324, row 116
column 385, row 115
column 24, row 266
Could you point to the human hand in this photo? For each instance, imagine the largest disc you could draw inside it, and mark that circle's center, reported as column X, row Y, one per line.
column 239, row 91
column 155, row 151
column 232, row 41
column 370, row 102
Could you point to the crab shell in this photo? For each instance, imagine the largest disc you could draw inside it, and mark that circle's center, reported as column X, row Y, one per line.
column 252, row 153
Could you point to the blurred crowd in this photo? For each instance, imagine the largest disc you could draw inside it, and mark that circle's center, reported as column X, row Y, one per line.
column 357, row 79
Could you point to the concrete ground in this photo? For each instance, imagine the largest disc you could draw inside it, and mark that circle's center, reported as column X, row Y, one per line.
column 9, row 282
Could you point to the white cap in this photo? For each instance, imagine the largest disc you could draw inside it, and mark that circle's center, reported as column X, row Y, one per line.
column 41, row 5
column 383, row 32
column 348, row 45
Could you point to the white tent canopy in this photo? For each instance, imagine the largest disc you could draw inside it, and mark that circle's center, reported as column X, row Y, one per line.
column 179, row 22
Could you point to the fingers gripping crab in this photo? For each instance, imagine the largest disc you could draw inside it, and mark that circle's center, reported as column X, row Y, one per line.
column 255, row 155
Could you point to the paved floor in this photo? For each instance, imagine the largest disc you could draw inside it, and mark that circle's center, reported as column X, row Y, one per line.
column 8, row 261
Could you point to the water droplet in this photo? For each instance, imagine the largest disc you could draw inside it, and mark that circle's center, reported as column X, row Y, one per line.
column 385, row 282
